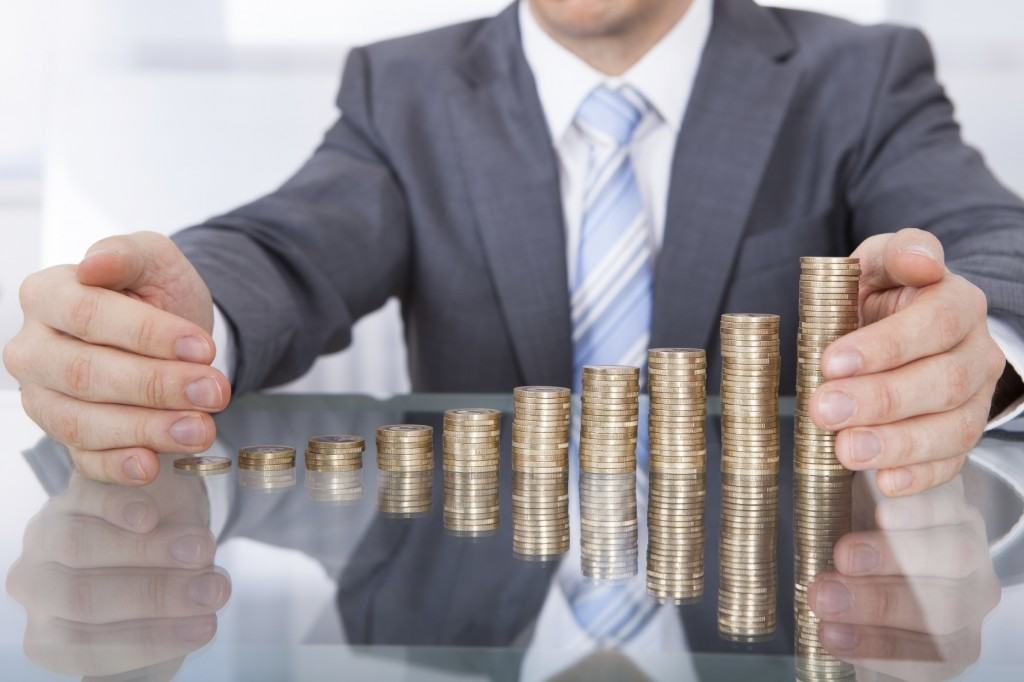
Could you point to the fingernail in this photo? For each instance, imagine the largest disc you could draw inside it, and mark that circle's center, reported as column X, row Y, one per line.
column 864, row 446
column 207, row 590
column 196, row 631
column 192, row 349
column 132, row 469
column 863, row 559
column 97, row 252
column 900, row 479
column 188, row 431
column 204, row 392
column 843, row 364
column 188, row 550
column 835, row 407
column 832, row 598
column 839, row 636
column 920, row 250
column 134, row 514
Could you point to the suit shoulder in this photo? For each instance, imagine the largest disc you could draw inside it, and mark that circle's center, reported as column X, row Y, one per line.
column 431, row 49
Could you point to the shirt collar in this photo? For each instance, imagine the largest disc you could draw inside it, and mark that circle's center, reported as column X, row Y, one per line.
column 664, row 76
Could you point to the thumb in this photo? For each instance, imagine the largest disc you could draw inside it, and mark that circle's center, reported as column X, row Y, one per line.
column 910, row 257
column 117, row 263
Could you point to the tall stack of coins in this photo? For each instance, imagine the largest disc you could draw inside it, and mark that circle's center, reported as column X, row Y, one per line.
column 335, row 487
column 405, row 447
column 748, row 568
column 335, row 453
column 821, row 485
column 266, row 458
column 677, row 379
column 404, row 494
column 608, row 525
column 609, row 418
column 540, row 472
column 472, row 451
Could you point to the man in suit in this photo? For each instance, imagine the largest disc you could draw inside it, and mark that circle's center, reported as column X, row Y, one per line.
column 567, row 183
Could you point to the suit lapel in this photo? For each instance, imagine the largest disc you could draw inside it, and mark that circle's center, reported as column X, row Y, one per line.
column 739, row 99
column 511, row 174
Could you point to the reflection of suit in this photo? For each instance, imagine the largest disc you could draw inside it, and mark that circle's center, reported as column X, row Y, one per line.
column 804, row 135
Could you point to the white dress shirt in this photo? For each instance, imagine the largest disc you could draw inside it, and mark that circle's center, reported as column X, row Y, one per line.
column 664, row 76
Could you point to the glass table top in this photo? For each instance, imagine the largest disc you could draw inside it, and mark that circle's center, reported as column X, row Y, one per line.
column 304, row 575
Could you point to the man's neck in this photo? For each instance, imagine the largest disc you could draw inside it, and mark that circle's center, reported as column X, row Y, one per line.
column 614, row 53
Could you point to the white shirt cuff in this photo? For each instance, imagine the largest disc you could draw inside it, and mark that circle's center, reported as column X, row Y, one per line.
column 1012, row 346
column 223, row 339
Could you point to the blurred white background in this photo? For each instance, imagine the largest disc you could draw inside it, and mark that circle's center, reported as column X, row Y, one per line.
column 119, row 115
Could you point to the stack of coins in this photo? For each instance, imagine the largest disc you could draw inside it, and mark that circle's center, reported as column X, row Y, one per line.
column 266, row 458
column 821, row 485
column 748, row 567
column 677, row 379
column 335, row 453
column 608, row 526
column 609, row 418
column 405, row 447
column 203, row 465
column 335, row 487
column 404, row 494
column 472, row 451
column 540, row 472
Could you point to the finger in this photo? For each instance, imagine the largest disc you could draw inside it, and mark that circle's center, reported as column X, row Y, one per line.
column 82, row 649
column 91, row 426
column 935, row 384
column 902, row 654
column 944, row 505
column 110, row 595
column 106, row 375
column 931, row 605
column 88, row 542
column 912, row 479
column 916, row 440
column 132, row 509
column 910, row 257
column 125, row 466
column 942, row 552
column 96, row 315
column 938, row 318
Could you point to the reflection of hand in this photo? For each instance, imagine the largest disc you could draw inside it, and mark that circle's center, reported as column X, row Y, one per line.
column 116, row 579
column 908, row 597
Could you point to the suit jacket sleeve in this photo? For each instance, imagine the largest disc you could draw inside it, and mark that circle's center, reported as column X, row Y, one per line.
column 294, row 270
column 914, row 170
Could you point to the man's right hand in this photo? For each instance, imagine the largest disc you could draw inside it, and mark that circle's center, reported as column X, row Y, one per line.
column 113, row 357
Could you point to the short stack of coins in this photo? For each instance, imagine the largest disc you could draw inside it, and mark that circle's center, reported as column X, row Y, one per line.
column 472, row 452
column 405, row 447
column 540, row 472
column 822, row 489
column 203, row 465
column 677, row 380
column 748, row 566
column 404, row 494
column 335, row 487
column 335, row 453
column 266, row 458
column 609, row 417
column 608, row 526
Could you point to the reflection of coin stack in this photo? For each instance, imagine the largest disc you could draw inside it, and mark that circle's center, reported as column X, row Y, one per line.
column 540, row 472
column 748, row 569
column 472, row 451
column 608, row 525
column 608, row 419
column 821, row 486
column 338, row 487
column 405, row 447
column 335, row 453
column 675, row 510
column 404, row 494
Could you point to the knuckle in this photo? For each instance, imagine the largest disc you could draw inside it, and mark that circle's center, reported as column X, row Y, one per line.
column 29, row 290
column 79, row 597
column 146, row 333
column 153, row 389
column 958, row 383
column 882, row 604
column 886, row 399
column 71, row 543
column 947, row 324
column 904, row 445
column 68, row 427
column 891, row 350
column 12, row 356
column 156, row 592
column 78, row 375
column 969, row 430
column 82, row 314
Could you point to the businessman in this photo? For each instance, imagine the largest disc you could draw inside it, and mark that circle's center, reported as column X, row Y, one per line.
column 567, row 183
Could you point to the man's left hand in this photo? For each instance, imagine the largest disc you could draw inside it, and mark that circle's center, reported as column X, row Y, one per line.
column 909, row 392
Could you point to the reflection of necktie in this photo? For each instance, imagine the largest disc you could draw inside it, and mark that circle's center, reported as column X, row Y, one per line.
column 611, row 309
column 611, row 297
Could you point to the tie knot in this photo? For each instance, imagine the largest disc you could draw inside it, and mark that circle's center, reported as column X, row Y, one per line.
column 612, row 113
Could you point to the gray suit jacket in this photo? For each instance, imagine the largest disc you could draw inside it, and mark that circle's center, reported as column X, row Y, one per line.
column 439, row 185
